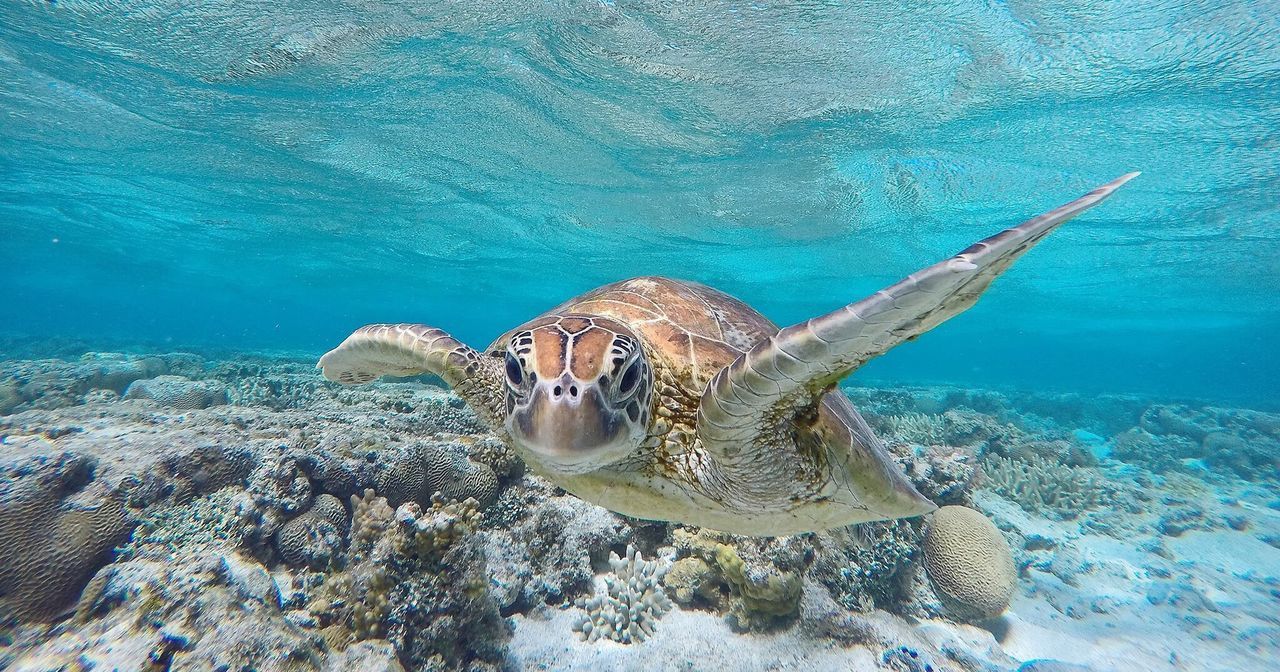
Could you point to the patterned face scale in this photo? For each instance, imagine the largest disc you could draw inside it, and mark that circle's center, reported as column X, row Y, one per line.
column 579, row 390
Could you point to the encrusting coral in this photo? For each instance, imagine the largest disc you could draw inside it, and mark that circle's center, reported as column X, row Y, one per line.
column 632, row 602
column 969, row 563
column 760, row 593
column 867, row 565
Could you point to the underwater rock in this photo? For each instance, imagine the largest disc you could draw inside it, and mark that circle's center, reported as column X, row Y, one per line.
column 1159, row 454
column 191, row 612
column 631, row 604
column 206, row 468
column 1255, row 457
column 495, row 454
column 114, row 371
column 1242, row 443
column 10, row 396
column 52, row 384
column 276, row 384
column 943, row 474
column 822, row 618
column 277, row 490
column 969, row 562
column 339, row 476
column 177, row 392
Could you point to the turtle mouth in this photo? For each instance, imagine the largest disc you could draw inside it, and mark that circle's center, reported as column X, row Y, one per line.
column 570, row 427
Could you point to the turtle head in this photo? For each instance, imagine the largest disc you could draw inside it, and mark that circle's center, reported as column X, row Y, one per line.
column 579, row 389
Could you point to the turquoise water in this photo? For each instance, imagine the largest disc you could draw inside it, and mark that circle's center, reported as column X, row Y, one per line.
column 198, row 199
column 272, row 175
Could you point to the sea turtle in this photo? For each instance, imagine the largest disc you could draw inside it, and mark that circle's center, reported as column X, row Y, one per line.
column 669, row 400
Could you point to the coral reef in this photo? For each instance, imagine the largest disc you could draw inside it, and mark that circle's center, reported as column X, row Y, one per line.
column 52, row 383
column 969, row 562
column 214, row 611
column 546, row 549
column 1125, row 517
column 495, row 454
column 632, row 602
column 202, row 525
column 418, row 578
column 1243, row 443
column 403, row 478
column 272, row 385
column 205, row 468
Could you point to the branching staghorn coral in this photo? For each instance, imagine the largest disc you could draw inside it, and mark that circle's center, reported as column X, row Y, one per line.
column 632, row 602
column 918, row 428
column 1041, row 486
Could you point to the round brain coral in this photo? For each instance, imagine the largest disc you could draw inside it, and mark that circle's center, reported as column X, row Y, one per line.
column 50, row 549
column 177, row 392
column 330, row 508
column 473, row 480
column 969, row 563
column 403, row 479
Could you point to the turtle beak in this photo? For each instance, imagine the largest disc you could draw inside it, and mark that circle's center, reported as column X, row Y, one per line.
column 570, row 426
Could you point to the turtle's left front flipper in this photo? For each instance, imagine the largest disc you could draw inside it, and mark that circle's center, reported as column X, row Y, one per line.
column 378, row 350
column 785, row 375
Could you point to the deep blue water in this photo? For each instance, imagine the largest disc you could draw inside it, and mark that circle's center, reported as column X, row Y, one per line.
column 272, row 175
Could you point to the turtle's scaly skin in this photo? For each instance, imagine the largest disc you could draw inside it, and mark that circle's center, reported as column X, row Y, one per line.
column 690, row 332
column 670, row 400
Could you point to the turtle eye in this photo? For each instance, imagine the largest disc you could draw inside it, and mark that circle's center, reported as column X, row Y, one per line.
column 515, row 373
column 627, row 384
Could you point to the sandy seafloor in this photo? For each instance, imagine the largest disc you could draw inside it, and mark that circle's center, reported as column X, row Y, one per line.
column 162, row 511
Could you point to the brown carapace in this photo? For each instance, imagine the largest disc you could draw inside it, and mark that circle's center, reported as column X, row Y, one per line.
column 670, row 400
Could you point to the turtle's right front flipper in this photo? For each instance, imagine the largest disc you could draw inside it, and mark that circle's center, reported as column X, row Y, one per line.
column 378, row 350
column 784, row 376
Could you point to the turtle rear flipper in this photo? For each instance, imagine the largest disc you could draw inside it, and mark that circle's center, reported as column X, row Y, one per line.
column 378, row 350
column 786, row 374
